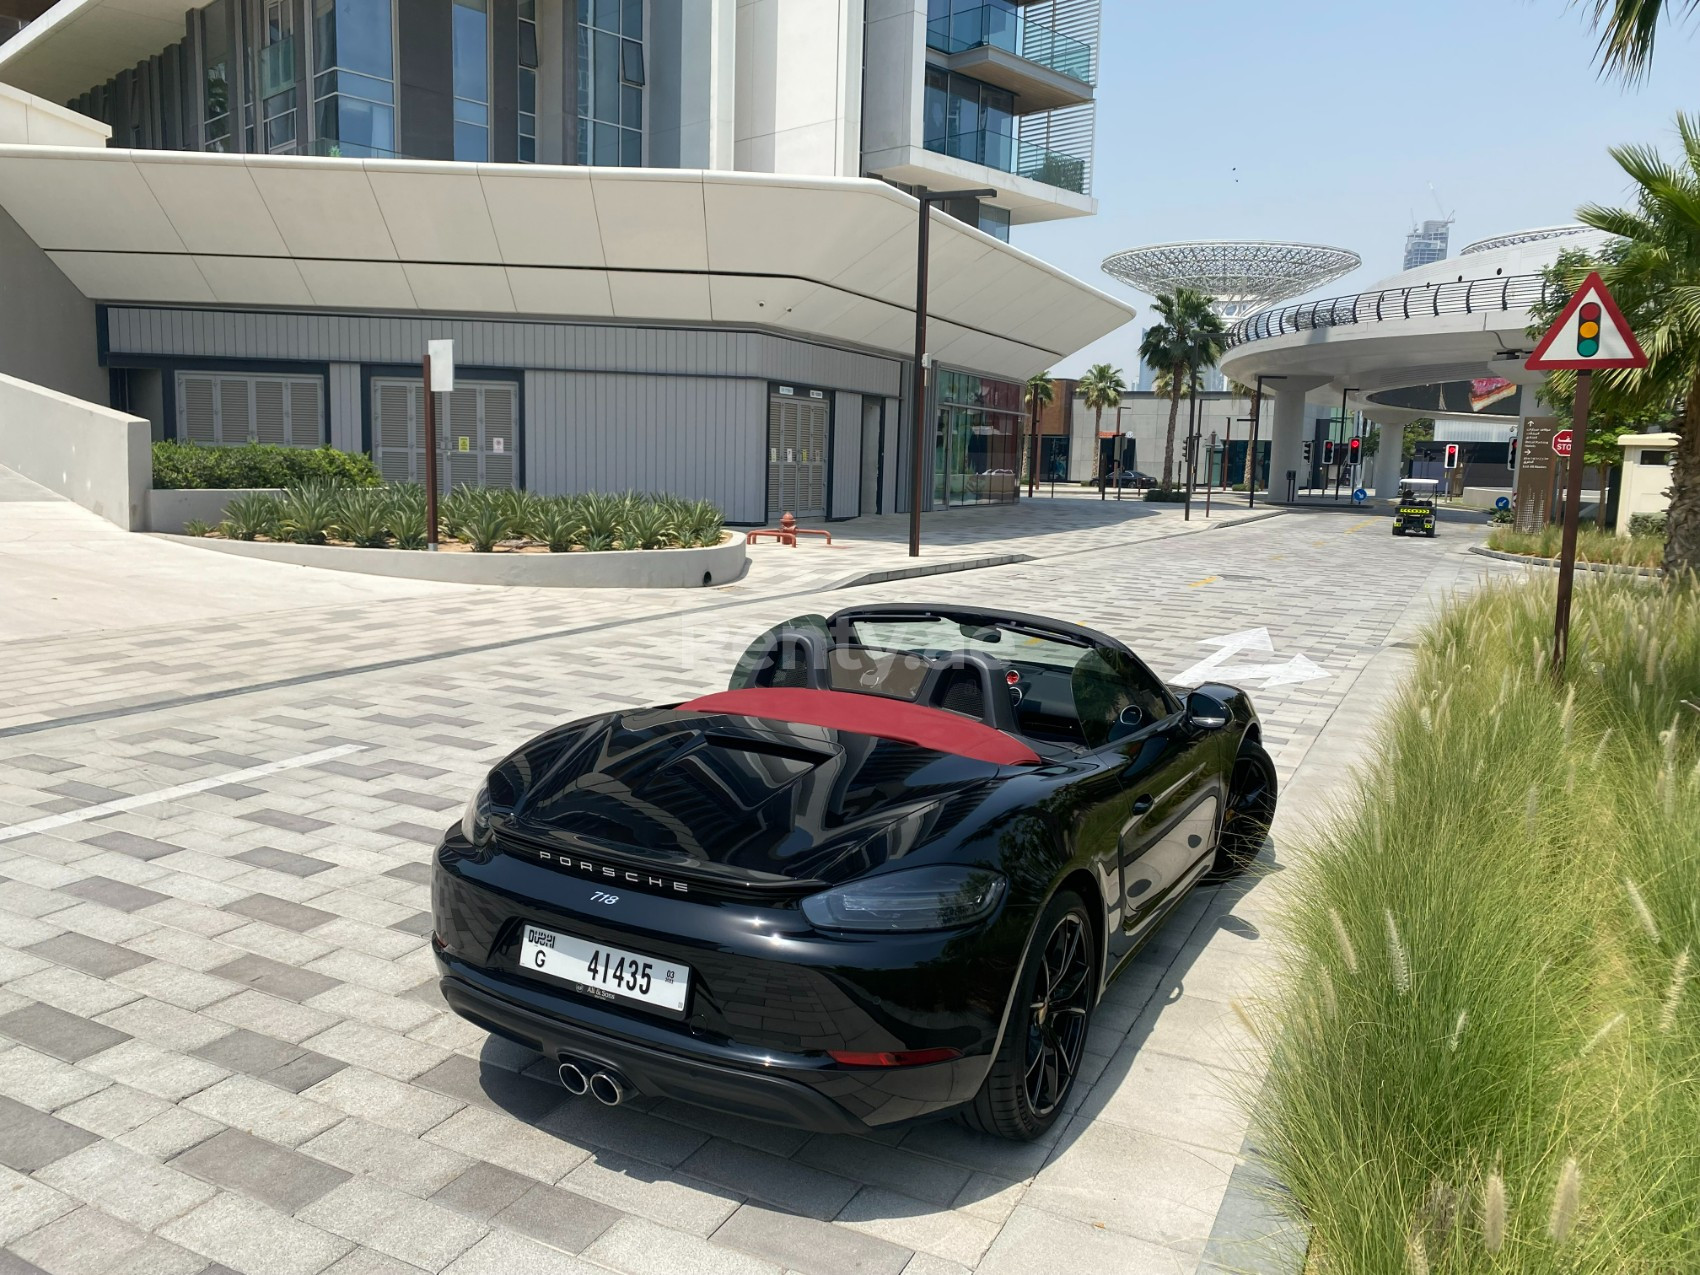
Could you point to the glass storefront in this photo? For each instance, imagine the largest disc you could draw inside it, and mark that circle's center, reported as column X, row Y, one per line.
column 977, row 439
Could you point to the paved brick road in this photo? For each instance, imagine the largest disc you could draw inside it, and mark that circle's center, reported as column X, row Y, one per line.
column 220, row 1041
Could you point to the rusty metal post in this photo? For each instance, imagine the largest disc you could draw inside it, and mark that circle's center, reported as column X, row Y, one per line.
column 1572, row 507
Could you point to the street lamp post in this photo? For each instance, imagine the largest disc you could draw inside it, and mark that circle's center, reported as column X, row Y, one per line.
column 925, row 200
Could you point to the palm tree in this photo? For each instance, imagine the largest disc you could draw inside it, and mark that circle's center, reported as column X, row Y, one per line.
column 1655, row 276
column 1163, row 384
column 1186, row 340
column 1627, row 28
column 1101, row 387
column 1040, row 393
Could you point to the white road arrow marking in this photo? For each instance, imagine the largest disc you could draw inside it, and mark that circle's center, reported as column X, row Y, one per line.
column 1288, row 672
column 1229, row 645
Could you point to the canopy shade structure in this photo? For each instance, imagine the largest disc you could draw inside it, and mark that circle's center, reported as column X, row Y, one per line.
column 1242, row 276
column 827, row 257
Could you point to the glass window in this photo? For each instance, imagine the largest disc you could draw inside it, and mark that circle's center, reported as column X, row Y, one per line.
column 631, row 61
column 632, row 23
column 471, row 30
column 611, row 76
column 354, row 78
column 631, row 148
column 216, row 58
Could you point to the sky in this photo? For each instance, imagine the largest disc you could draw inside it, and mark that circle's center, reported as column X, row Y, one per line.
column 1326, row 122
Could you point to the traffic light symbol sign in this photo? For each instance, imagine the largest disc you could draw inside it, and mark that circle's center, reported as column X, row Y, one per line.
column 1588, row 330
column 1327, row 451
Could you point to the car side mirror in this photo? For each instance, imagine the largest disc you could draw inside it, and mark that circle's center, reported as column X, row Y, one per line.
column 1206, row 712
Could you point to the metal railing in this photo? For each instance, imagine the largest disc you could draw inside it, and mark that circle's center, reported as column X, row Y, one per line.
column 1013, row 33
column 1009, row 154
column 1457, row 296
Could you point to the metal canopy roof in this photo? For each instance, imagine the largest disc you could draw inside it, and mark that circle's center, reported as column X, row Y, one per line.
column 1241, row 275
column 829, row 257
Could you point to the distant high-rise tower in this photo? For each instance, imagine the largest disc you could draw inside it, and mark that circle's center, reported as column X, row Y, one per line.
column 1426, row 243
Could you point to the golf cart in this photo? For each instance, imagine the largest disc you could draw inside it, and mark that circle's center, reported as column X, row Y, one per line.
column 1415, row 510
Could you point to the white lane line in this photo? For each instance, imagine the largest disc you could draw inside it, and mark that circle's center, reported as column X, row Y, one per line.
column 117, row 804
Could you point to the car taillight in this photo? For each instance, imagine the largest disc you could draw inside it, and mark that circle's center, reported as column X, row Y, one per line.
column 902, row 1058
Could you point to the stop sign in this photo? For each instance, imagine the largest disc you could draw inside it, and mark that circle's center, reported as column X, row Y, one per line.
column 1561, row 442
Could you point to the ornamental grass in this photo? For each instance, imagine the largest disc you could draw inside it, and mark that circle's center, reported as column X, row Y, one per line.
column 1485, row 1050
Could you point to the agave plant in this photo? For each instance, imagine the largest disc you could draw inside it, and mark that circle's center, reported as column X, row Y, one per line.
column 247, row 517
column 645, row 527
column 308, row 513
column 483, row 526
column 597, row 542
column 522, row 509
column 461, row 505
column 557, row 523
column 701, row 524
column 601, row 515
column 404, row 515
column 363, row 513
column 195, row 527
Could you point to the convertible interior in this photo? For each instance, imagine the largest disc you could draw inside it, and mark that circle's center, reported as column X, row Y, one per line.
column 1058, row 693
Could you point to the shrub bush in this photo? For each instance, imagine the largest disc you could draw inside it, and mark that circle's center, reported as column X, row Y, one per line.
column 1648, row 524
column 1592, row 545
column 178, row 466
column 1166, row 495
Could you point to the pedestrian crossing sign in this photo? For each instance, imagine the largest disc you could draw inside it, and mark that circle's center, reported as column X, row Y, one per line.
column 1589, row 334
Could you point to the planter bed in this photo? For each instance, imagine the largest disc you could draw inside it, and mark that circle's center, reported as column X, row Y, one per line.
column 532, row 566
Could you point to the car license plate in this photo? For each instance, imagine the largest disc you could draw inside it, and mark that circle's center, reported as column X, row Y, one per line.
column 607, row 973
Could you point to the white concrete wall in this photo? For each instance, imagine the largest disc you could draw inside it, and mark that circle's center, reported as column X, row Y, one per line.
column 893, row 78
column 33, row 121
column 99, row 458
column 799, row 87
column 171, row 511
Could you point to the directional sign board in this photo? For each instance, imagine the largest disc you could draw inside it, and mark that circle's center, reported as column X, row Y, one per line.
column 1504, row 502
column 1589, row 334
column 1561, row 443
column 1359, row 496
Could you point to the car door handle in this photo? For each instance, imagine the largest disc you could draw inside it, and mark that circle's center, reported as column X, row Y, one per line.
column 1143, row 804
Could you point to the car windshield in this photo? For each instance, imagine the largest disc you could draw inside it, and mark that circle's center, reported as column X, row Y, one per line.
column 933, row 636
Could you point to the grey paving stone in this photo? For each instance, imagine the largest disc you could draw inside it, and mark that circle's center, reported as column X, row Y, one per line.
column 457, row 741
column 284, row 820
column 382, row 1218
column 274, row 1175
column 133, row 1187
column 418, row 873
column 647, row 1190
column 866, row 1160
column 279, row 1062
column 236, row 792
column 91, row 956
column 505, row 1253
column 1034, row 1240
column 91, row 1242
column 249, row 1236
column 767, row 1177
column 114, row 894
column 136, row 847
column 88, row 793
column 434, row 801
column 275, row 977
column 12, row 1264
column 412, row 769
column 493, row 1088
column 299, row 865
column 644, row 1248
column 53, row 1031
column 351, row 770
column 31, row 1139
column 483, row 1190
column 419, row 924
column 42, row 765
column 413, row 832
column 810, row 1246
column 293, row 723
column 284, row 912
column 303, row 1072
column 561, row 1219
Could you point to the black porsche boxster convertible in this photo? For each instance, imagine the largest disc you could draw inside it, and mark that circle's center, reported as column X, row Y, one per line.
column 887, row 874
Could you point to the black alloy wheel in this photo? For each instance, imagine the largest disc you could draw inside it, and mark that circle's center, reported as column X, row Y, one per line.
column 1248, row 812
column 1056, row 1018
column 1039, row 1057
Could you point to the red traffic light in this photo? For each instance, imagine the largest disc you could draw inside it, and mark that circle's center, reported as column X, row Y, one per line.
column 1452, row 455
column 1355, row 448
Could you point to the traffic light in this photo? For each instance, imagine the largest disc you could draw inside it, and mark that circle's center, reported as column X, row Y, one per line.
column 1328, row 451
column 1307, row 451
column 1588, row 330
column 1355, row 450
column 1452, row 455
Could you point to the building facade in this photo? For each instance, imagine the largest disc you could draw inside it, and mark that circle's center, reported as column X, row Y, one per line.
column 1138, row 432
column 1426, row 244
column 670, row 238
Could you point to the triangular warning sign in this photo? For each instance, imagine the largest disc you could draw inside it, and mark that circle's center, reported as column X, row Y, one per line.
column 1588, row 335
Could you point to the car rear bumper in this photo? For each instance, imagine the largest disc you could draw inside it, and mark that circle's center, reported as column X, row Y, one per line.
column 766, row 1008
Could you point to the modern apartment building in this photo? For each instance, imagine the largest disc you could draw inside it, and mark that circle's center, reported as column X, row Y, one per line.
column 670, row 237
column 1426, row 243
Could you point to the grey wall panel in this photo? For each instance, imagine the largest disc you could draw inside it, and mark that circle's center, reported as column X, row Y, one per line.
column 893, row 465
column 425, row 66
column 51, row 340
column 846, row 496
column 343, row 403
column 340, row 338
column 694, row 437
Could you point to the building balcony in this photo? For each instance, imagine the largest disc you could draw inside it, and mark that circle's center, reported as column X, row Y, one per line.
column 1042, row 67
column 1009, row 154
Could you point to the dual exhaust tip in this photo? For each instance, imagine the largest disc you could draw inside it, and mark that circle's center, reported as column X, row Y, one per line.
column 579, row 1079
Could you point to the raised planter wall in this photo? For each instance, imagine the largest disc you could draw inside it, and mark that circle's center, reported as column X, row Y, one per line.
column 614, row 569
column 171, row 511
column 89, row 453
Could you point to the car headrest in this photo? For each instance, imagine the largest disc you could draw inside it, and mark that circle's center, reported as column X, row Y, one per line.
column 972, row 684
column 793, row 658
